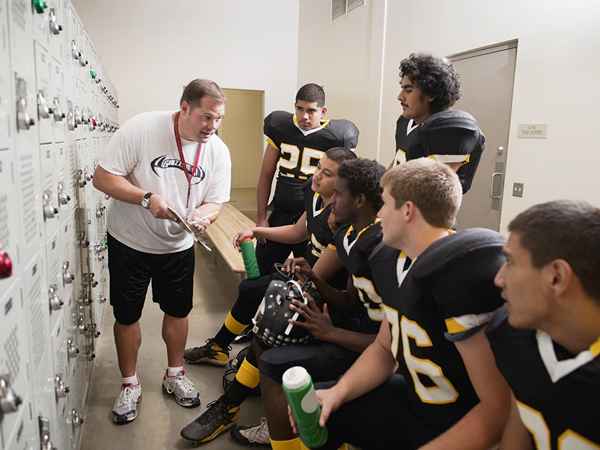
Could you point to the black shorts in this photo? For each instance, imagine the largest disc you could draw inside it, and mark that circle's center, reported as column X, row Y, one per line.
column 324, row 361
column 172, row 276
column 381, row 419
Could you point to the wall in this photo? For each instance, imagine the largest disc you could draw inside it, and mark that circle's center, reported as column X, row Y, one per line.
column 556, row 83
column 346, row 56
column 152, row 48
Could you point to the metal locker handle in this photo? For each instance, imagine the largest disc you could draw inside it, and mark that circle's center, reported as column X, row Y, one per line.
column 492, row 194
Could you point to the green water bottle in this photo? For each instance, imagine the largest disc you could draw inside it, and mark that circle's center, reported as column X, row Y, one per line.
column 249, row 257
column 301, row 396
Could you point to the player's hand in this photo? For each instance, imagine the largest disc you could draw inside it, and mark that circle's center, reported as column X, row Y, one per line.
column 299, row 267
column 330, row 399
column 242, row 236
column 159, row 208
column 316, row 322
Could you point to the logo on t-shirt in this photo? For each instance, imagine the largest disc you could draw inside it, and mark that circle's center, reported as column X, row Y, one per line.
column 164, row 162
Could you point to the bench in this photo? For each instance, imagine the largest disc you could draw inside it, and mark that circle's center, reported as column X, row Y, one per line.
column 221, row 233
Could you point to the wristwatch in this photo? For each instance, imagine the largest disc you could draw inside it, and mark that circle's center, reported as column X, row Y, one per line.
column 146, row 200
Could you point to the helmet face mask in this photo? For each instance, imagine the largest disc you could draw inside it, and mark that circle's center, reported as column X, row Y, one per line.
column 271, row 322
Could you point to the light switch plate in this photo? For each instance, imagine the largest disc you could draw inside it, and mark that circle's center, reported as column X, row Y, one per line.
column 518, row 189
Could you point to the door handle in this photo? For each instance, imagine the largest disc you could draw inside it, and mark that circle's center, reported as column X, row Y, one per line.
column 494, row 195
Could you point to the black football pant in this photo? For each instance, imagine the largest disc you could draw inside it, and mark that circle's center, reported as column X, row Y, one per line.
column 379, row 420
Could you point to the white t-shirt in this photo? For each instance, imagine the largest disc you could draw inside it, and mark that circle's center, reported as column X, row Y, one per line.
column 144, row 151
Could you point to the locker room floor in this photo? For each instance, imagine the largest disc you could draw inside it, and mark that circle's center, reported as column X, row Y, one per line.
column 160, row 418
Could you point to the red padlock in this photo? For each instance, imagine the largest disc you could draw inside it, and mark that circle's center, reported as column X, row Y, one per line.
column 6, row 265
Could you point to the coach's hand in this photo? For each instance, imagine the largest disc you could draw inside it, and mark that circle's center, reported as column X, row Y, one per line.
column 316, row 322
column 159, row 208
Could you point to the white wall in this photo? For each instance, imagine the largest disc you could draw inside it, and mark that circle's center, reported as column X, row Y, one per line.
column 152, row 48
column 346, row 57
column 556, row 82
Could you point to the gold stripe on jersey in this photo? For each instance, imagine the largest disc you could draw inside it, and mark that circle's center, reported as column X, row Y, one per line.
column 451, row 159
column 456, row 325
column 272, row 143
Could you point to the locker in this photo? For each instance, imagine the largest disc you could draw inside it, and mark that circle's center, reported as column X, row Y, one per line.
column 8, row 224
column 49, row 186
column 13, row 358
column 20, row 32
column 56, row 19
column 5, row 89
column 57, row 82
column 40, row 22
column 43, row 93
column 54, row 276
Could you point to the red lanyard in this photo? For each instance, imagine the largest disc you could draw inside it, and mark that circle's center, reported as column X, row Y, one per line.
column 188, row 174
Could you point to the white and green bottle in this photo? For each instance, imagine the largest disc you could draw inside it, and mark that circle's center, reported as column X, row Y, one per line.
column 300, row 393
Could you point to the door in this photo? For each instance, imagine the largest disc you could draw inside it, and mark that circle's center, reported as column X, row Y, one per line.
column 242, row 131
column 487, row 79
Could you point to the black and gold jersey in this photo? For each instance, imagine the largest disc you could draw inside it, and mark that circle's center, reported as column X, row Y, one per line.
column 354, row 248
column 300, row 152
column 556, row 392
column 450, row 136
column 404, row 135
column 317, row 215
column 446, row 295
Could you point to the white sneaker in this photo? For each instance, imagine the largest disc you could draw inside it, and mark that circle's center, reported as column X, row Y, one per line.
column 182, row 389
column 252, row 436
column 126, row 404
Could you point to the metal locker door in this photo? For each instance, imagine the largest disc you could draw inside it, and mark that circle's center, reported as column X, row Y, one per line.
column 13, row 362
column 54, row 276
column 50, row 209
column 8, row 224
column 43, row 94
column 41, row 23
column 63, row 385
column 20, row 36
column 5, row 90
column 56, row 28
column 23, row 438
column 57, row 80
column 64, row 185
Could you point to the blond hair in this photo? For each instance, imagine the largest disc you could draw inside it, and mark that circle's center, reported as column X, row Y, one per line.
column 432, row 186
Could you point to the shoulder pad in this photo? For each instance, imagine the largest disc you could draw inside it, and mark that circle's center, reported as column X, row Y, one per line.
column 453, row 130
column 343, row 128
column 276, row 119
column 443, row 252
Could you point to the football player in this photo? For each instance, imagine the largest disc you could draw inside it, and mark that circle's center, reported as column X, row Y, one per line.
column 296, row 142
column 312, row 225
column 357, row 200
column 343, row 329
column 429, row 380
column 548, row 348
column 429, row 86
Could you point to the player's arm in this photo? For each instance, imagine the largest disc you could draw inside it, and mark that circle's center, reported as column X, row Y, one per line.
column 482, row 426
column 265, row 179
column 287, row 234
column 328, row 264
column 515, row 436
column 373, row 367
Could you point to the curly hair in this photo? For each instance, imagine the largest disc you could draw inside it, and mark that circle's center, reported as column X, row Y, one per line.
column 435, row 77
column 362, row 177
